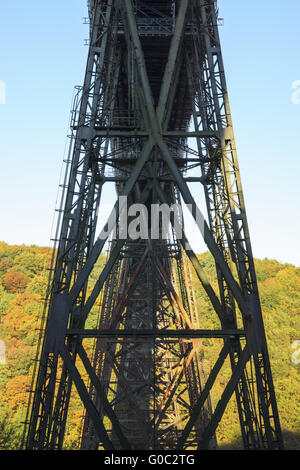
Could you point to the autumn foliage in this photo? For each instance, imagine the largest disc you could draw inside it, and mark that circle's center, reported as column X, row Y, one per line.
column 14, row 281
column 23, row 283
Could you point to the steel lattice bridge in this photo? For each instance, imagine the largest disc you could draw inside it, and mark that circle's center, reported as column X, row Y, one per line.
column 153, row 108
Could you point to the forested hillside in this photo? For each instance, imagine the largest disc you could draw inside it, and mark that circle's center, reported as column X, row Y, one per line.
column 23, row 281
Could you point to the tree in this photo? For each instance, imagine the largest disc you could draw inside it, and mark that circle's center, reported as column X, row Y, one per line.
column 5, row 263
column 8, row 435
column 14, row 281
column 17, row 389
column 30, row 262
column 38, row 285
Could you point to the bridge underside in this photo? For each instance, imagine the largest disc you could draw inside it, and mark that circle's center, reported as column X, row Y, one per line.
column 152, row 119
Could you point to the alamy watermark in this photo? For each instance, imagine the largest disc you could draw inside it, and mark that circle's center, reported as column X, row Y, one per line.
column 296, row 94
column 2, row 352
column 2, row 92
column 139, row 221
column 296, row 354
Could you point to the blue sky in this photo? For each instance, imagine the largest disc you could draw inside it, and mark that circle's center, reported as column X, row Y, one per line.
column 42, row 58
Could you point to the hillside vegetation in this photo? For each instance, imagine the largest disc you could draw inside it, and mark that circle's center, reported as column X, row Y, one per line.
column 23, row 281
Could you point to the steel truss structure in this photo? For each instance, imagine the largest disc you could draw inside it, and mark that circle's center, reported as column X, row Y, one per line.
column 153, row 107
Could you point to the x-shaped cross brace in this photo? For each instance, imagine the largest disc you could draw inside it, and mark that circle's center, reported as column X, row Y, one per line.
column 156, row 121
